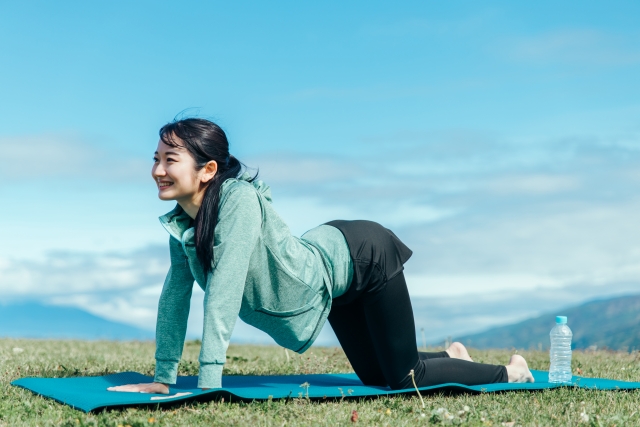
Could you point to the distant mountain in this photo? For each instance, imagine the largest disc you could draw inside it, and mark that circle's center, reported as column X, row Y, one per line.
column 34, row 320
column 612, row 323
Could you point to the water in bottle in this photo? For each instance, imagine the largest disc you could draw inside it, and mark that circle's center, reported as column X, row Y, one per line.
column 560, row 353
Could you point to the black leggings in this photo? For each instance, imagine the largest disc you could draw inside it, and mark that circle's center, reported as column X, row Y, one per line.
column 377, row 333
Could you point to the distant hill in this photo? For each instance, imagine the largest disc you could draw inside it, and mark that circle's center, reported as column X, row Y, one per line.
column 34, row 320
column 612, row 323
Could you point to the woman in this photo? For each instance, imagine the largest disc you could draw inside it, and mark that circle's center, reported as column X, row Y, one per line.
column 225, row 235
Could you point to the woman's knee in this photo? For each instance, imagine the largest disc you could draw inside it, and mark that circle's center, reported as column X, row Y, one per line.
column 401, row 383
column 373, row 380
column 400, row 380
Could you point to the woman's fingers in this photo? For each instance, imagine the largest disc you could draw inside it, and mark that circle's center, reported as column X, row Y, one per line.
column 128, row 387
column 142, row 388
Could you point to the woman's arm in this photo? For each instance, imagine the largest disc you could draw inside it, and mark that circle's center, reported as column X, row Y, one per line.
column 236, row 235
column 173, row 313
column 171, row 326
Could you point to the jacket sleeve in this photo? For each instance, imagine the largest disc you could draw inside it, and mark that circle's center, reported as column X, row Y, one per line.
column 173, row 313
column 236, row 235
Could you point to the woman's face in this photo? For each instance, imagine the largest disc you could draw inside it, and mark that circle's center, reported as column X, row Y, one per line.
column 175, row 175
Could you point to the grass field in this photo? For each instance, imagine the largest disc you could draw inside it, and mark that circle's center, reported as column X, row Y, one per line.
column 45, row 358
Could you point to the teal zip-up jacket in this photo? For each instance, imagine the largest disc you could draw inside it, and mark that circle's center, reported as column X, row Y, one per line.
column 277, row 282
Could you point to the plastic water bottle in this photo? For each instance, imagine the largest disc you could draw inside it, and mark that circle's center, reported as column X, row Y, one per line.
column 560, row 353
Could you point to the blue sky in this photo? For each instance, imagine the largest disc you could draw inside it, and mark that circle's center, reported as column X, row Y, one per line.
column 500, row 140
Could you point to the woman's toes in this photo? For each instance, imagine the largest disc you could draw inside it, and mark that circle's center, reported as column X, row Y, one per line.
column 516, row 359
column 518, row 370
column 458, row 351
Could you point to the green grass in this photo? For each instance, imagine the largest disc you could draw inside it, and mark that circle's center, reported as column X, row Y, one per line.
column 72, row 358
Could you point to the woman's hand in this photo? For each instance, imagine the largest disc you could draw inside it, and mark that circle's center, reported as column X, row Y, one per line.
column 142, row 388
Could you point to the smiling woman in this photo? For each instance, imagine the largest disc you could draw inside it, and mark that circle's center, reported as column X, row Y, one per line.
column 194, row 162
column 225, row 235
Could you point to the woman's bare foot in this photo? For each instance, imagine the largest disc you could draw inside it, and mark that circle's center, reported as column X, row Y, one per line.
column 518, row 370
column 458, row 351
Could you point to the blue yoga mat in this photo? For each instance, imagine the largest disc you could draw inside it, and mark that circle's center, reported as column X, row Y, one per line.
column 90, row 393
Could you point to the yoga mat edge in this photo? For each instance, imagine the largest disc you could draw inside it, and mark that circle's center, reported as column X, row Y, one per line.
column 89, row 394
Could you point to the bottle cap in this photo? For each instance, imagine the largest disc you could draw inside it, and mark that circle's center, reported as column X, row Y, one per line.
column 561, row 320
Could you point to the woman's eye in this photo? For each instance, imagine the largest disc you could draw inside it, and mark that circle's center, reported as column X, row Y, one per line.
column 155, row 160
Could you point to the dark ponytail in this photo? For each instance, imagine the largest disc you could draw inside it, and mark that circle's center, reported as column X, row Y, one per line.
column 205, row 141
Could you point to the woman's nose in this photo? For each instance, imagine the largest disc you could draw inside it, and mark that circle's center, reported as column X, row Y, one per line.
column 157, row 171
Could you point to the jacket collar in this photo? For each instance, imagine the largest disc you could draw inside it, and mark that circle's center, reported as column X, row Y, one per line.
column 177, row 222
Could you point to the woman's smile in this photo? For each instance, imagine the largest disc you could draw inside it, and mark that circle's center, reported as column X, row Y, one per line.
column 163, row 185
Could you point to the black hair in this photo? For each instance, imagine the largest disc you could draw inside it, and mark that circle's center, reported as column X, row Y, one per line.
column 205, row 141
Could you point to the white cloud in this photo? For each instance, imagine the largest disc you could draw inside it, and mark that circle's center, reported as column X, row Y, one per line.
column 121, row 287
column 55, row 156
column 303, row 213
column 577, row 46
column 70, row 273
column 550, row 245
column 297, row 169
column 483, row 216
column 454, row 316
column 132, row 308
column 449, row 285
column 423, row 27
column 509, row 213
column 533, row 184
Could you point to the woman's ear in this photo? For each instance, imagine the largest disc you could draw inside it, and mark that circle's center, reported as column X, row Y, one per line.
column 209, row 171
